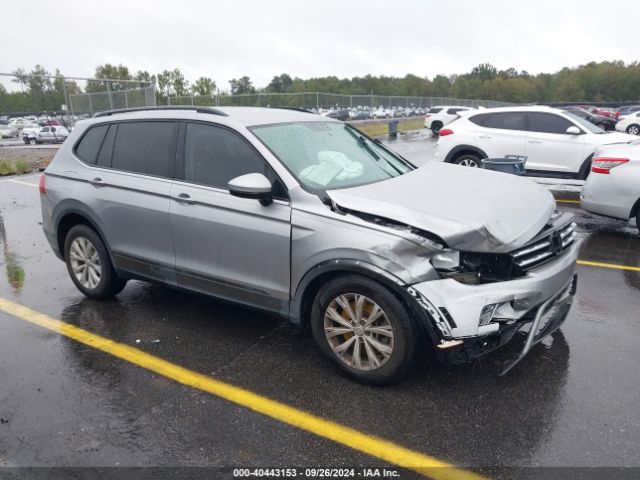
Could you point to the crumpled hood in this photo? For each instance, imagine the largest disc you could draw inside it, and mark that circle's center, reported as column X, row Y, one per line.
column 470, row 209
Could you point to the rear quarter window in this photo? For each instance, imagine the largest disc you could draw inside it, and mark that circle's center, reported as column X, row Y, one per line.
column 435, row 110
column 89, row 145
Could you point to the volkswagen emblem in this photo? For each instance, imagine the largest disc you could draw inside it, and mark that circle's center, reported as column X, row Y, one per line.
column 556, row 242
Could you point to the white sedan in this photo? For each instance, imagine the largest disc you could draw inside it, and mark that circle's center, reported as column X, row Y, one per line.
column 613, row 188
column 7, row 132
column 629, row 123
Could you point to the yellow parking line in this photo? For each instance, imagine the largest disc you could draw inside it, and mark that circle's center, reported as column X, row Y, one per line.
column 589, row 263
column 373, row 446
column 567, row 201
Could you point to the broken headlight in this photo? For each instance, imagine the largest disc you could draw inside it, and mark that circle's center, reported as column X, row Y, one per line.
column 448, row 264
column 472, row 268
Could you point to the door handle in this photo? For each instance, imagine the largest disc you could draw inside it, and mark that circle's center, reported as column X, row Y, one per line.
column 184, row 198
column 97, row 182
column 485, row 136
column 535, row 141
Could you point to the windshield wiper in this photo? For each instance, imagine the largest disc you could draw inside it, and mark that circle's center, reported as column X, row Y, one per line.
column 365, row 144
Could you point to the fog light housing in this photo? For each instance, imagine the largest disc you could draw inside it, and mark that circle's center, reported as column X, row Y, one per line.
column 487, row 312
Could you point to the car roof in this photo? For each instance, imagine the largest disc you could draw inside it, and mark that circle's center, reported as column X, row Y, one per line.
column 522, row 108
column 238, row 116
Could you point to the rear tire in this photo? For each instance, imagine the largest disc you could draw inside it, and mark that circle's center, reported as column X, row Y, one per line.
column 89, row 264
column 378, row 353
column 435, row 127
column 638, row 220
column 468, row 160
column 633, row 129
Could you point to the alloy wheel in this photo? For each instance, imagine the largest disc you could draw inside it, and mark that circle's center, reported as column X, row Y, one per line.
column 358, row 331
column 468, row 162
column 85, row 262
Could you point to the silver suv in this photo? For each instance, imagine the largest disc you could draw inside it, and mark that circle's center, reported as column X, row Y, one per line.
column 304, row 216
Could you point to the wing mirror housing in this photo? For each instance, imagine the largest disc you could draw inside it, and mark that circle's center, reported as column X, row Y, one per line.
column 573, row 130
column 252, row 185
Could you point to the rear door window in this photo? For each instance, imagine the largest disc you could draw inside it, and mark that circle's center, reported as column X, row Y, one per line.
column 507, row 120
column 89, row 146
column 502, row 120
column 548, row 123
column 146, row 147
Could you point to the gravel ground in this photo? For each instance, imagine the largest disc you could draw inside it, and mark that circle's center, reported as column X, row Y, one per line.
column 37, row 157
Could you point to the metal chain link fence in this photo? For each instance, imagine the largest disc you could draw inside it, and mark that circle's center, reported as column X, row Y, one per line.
column 71, row 98
column 319, row 100
column 67, row 99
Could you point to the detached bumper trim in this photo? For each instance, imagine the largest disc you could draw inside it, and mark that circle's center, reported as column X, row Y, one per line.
column 562, row 304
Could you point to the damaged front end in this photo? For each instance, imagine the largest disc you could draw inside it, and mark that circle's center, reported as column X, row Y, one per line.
column 475, row 302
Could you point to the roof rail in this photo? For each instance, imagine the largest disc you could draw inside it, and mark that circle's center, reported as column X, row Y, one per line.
column 297, row 109
column 210, row 110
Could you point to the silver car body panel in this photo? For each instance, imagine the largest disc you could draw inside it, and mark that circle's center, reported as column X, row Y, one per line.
column 614, row 194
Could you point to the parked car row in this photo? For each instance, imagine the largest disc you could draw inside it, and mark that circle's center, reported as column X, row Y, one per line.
column 367, row 112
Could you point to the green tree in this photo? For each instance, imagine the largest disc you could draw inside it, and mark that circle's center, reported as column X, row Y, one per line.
column 203, row 86
column 280, row 84
column 111, row 72
column 241, row 85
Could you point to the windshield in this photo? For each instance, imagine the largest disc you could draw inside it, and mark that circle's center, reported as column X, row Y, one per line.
column 330, row 155
column 587, row 125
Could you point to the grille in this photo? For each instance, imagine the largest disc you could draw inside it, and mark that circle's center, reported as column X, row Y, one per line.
column 544, row 248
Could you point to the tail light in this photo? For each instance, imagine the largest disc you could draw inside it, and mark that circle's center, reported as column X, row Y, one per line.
column 41, row 186
column 426, row 116
column 445, row 131
column 605, row 164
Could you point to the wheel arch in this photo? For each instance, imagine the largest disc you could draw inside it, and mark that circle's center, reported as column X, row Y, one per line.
column 318, row 275
column 74, row 213
column 635, row 210
column 459, row 150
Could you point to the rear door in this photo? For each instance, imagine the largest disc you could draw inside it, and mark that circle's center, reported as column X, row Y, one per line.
column 501, row 133
column 128, row 187
column 550, row 148
column 231, row 247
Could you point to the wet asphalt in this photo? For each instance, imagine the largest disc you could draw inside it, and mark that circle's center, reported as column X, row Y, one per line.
column 573, row 401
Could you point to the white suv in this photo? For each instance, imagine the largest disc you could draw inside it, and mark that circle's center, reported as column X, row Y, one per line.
column 438, row 117
column 555, row 142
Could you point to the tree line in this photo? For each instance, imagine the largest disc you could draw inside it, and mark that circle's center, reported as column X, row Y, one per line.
column 611, row 81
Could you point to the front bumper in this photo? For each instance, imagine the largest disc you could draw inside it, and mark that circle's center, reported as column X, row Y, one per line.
column 545, row 292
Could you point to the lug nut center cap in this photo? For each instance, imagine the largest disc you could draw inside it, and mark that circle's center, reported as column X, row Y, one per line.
column 358, row 330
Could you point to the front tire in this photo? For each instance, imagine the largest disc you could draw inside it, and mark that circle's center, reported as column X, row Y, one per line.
column 468, row 160
column 364, row 330
column 89, row 264
column 633, row 129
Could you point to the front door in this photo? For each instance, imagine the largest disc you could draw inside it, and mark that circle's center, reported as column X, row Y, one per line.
column 230, row 247
column 550, row 148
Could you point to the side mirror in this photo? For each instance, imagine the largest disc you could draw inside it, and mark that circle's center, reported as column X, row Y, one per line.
column 573, row 130
column 252, row 185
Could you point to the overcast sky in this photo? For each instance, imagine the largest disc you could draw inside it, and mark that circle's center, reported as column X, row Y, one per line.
column 263, row 38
